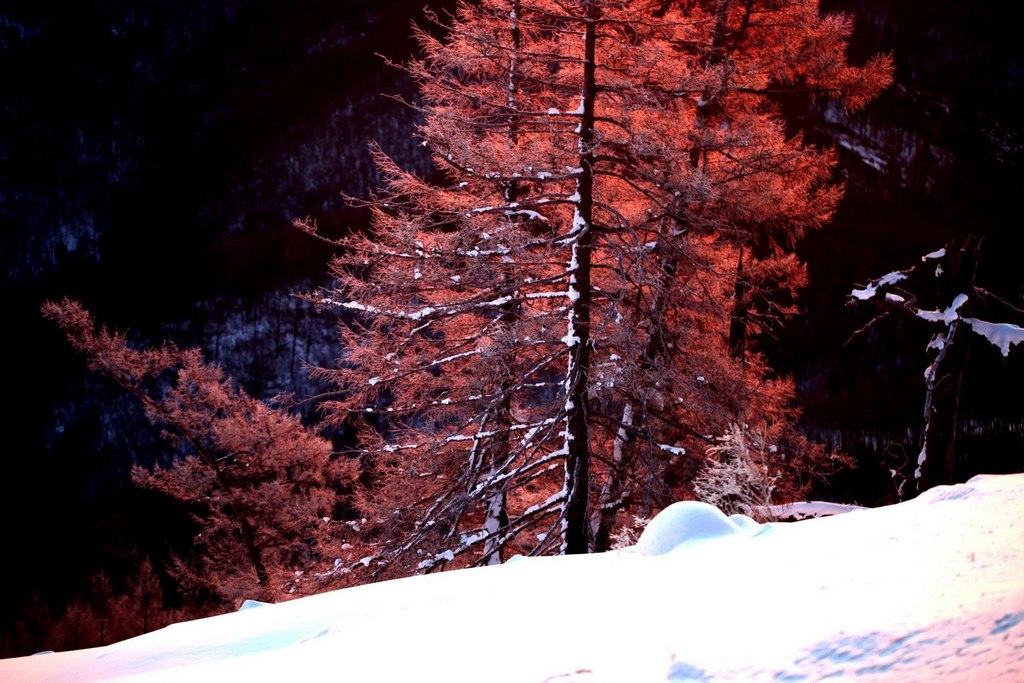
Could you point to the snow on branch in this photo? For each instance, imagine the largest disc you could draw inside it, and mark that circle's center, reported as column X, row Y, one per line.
column 948, row 316
column 367, row 308
column 469, row 541
column 803, row 510
column 529, row 471
column 456, row 438
column 887, row 279
column 446, row 556
column 1001, row 335
column 430, row 312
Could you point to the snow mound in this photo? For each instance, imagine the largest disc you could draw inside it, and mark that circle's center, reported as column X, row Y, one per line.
column 745, row 522
column 251, row 604
column 683, row 522
column 939, row 494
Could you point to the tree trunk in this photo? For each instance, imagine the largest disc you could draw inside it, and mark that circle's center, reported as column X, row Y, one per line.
column 944, row 377
column 611, row 499
column 738, row 320
column 575, row 523
column 496, row 517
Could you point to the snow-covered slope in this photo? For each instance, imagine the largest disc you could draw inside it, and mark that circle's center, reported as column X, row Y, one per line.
column 932, row 589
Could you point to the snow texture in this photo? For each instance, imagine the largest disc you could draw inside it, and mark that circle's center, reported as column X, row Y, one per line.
column 869, row 291
column 744, row 522
column 948, row 316
column 804, row 510
column 681, row 523
column 1001, row 335
column 927, row 590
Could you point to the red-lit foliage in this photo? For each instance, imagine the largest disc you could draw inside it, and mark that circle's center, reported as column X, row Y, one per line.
column 560, row 330
column 261, row 485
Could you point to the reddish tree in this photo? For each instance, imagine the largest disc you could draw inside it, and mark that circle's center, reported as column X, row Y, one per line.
column 550, row 329
column 261, row 485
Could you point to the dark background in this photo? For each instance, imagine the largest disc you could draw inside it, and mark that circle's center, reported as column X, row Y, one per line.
column 153, row 155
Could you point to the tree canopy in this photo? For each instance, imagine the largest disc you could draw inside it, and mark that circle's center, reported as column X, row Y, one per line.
column 560, row 329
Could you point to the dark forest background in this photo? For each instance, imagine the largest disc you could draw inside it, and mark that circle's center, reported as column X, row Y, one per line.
column 153, row 156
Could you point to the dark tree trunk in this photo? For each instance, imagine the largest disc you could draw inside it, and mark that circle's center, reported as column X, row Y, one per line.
column 738, row 321
column 944, row 377
column 577, row 460
column 613, row 493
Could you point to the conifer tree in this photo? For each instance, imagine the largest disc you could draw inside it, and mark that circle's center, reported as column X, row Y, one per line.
column 261, row 485
column 537, row 341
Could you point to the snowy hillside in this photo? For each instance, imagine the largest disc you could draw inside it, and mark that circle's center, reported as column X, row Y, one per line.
column 928, row 590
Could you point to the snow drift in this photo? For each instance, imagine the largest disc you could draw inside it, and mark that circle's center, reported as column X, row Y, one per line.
column 931, row 589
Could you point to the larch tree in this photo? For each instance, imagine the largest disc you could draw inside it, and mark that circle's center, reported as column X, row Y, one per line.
column 534, row 343
column 262, row 486
column 746, row 192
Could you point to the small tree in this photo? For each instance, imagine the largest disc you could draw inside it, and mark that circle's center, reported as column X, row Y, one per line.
column 105, row 615
column 262, row 486
column 739, row 480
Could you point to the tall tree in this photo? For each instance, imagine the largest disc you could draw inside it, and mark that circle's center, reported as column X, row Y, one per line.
column 262, row 486
column 560, row 303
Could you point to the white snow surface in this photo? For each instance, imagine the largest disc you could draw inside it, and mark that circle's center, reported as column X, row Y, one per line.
column 927, row 590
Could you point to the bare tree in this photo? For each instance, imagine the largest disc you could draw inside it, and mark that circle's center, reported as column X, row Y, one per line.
column 951, row 311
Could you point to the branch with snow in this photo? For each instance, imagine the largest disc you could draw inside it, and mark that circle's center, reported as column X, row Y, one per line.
column 1000, row 335
column 803, row 510
column 873, row 286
